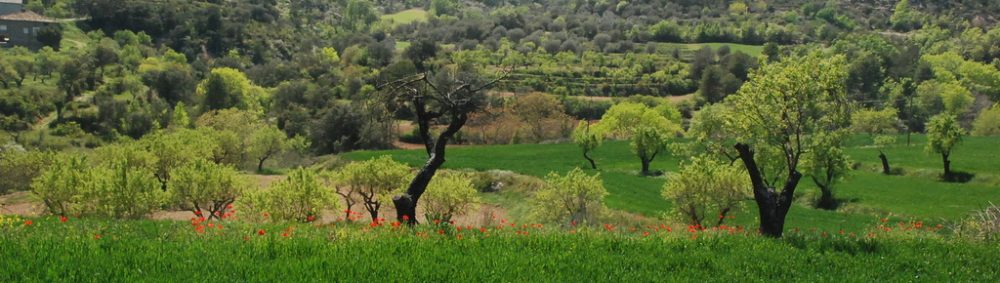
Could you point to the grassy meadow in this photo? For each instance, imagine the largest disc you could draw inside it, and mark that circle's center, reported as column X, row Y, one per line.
column 866, row 194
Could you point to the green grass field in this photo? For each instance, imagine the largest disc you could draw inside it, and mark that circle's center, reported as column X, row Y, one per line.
column 406, row 17
column 869, row 196
column 93, row 250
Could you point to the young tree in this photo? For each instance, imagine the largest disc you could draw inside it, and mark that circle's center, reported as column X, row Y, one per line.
column 205, row 186
column 449, row 195
column 575, row 198
column 266, row 141
column 447, row 97
column 648, row 129
column 943, row 134
column 880, row 125
column 300, row 197
column 826, row 164
column 587, row 138
column 61, row 186
column 373, row 180
column 775, row 117
column 706, row 187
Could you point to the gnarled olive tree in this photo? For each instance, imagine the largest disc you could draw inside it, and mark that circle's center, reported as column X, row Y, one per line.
column 447, row 98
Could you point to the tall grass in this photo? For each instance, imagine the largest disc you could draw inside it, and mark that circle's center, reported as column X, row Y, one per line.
column 139, row 251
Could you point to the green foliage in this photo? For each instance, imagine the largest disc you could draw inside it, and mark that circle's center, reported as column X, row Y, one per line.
column 123, row 191
column 949, row 97
column 708, row 133
column 21, row 167
column 204, row 186
column 373, row 181
column 588, row 138
column 62, row 185
column 784, row 104
column 227, row 88
column 706, row 188
column 880, row 125
column 943, row 134
column 299, row 197
column 827, row 164
column 988, row 122
column 449, row 195
column 904, row 18
column 574, row 198
column 648, row 129
column 177, row 148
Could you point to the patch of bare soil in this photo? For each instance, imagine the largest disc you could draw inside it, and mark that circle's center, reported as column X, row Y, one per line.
column 20, row 203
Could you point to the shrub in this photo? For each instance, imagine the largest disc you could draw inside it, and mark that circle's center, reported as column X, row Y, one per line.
column 372, row 180
column 705, row 187
column 574, row 198
column 61, row 186
column 20, row 167
column 988, row 122
column 983, row 225
column 449, row 195
column 203, row 185
column 299, row 197
column 123, row 191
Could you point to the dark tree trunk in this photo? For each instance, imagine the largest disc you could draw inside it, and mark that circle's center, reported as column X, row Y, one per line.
column 260, row 165
column 772, row 205
column 885, row 163
column 645, row 167
column 947, row 166
column 592, row 163
column 826, row 200
column 406, row 203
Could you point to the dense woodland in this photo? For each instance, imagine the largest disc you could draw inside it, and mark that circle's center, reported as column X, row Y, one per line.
column 163, row 85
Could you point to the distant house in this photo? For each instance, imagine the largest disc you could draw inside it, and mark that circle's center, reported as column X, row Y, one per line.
column 19, row 27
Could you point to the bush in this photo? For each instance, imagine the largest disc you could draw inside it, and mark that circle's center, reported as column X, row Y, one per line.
column 373, row 181
column 299, row 197
column 20, row 167
column 984, row 225
column 123, row 191
column 705, row 188
column 449, row 195
column 61, row 186
column 203, row 185
column 988, row 122
column 574, row 198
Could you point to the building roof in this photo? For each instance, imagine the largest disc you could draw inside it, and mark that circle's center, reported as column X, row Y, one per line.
column 11, row 1
column 26, row 16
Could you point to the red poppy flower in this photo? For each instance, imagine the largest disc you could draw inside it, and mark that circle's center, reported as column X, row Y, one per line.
column 261, row 232
column 310, row 218
column 97, row 236
column 406, row 217
column 63, row 219
column 28, row 223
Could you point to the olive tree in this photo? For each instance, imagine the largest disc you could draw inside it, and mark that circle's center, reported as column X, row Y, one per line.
column 880, row 125
column 205, row 186
column 449, row 195
column 706, row 187
column 446, row 97
column 775, row 117
column 572, row 198
column 588, row 139
column 943, row 134
column 647, row 128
